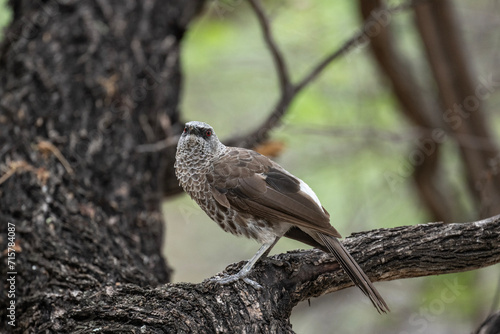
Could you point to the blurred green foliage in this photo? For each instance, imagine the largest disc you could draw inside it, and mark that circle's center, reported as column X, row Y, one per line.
column 5, row 16
column 344, row 136
column 334, row 132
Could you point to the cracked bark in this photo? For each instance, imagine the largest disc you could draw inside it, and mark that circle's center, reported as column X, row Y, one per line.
column 385, row 254
column 82, row 85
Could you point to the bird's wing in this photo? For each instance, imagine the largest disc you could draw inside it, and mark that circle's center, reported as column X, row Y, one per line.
column 249, row 182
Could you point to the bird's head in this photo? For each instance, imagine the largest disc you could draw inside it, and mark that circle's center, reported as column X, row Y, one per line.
column 199, row 138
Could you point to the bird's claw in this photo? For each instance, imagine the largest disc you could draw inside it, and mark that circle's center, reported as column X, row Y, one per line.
column 252, row 283
column 236, row 277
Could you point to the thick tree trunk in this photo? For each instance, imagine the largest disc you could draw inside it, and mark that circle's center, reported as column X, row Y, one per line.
column 82, row 85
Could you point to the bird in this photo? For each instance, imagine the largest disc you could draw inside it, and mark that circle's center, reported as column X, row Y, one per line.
column 248, row 194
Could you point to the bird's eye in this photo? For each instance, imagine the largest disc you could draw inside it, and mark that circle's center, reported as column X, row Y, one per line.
column 185, row 129
column 208, row 133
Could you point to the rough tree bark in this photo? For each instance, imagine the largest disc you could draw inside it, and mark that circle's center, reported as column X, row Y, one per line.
column 83, row 85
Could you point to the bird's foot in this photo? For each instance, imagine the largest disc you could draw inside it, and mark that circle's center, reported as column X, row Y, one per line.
column 236, row 277
column 245, row 271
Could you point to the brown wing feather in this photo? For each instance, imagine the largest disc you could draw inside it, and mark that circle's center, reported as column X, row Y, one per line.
column 296, row 233
column 354, row 271
column 251, row 183
column 259, row 186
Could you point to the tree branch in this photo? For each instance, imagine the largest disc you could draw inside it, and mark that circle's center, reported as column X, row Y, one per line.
column 288, row 89
column 385, row 255
column 415, row 106
column 278, row 58
column 439, row 29
column 491, row 325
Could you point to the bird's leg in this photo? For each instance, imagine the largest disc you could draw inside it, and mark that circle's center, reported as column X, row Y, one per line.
column 243, row 273
column 268, row 249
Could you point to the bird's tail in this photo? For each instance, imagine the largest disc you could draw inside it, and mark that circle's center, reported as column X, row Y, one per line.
column 354, row 271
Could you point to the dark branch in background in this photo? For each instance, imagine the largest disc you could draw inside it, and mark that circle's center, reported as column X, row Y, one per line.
column 496, row 298
column 368, row 134
column 384, row 254
column 290, row 90
column 439, row 32
column 441, row 36
column 416, row 108
column 278, row 58
column 491, row 325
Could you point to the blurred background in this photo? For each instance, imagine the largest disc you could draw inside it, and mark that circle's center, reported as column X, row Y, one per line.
column 375, row 156
column 346, row 136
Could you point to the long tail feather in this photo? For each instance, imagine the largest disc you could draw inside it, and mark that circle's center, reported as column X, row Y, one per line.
column 354, row 271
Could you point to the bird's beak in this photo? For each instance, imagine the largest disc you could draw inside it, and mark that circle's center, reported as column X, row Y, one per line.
column 192, row 130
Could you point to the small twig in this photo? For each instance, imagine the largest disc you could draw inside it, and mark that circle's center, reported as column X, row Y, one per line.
column 367, row 133
column 22, row 166
column 348, row 45
column 496, row 298
column 355, row 40
column 45, row 146
column 146, row 127
column 7, row 175
column 158, row 146
column 278, row 58
column 14, row 167
column 288, row 89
